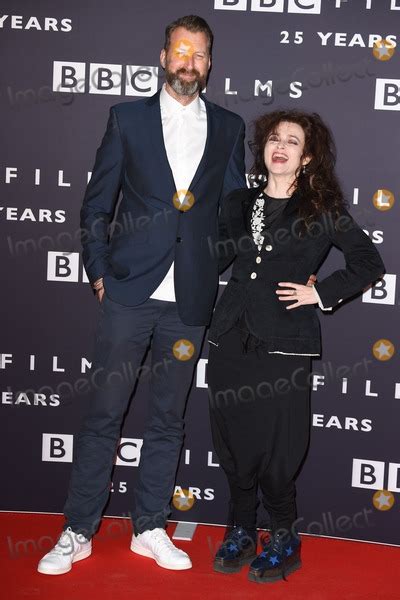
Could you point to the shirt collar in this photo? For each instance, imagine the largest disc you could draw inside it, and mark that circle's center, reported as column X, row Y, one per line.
column 172, row 106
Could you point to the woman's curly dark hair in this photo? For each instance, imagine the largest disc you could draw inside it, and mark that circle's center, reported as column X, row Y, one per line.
column 319, row 187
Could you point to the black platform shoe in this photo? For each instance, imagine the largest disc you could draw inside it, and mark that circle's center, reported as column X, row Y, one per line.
column 280, row 557
column 237, row 550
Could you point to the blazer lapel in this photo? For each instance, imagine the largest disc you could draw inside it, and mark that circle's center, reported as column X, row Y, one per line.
column 289, row 209
column 239, row 211
column 164, row 172
column 248, row 208
column 212, row 135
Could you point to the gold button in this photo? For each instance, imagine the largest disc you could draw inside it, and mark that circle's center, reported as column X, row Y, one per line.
column 253, row 275
column 268, row 248
column 258, row 260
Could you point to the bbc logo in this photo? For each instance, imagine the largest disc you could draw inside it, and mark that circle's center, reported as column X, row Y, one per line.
column 128, row 452
column 104, row 78
column 308, row 7
column 387, row 94
column 58, row 447
column 382, row 292
column 370, row 474
column 65, row 266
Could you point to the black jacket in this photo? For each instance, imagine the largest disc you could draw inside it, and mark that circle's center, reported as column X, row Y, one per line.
column 289, row 254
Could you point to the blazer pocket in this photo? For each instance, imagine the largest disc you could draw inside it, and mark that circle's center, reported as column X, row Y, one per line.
column 124, row 241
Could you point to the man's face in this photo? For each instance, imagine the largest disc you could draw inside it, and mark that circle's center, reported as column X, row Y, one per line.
column 186, row 62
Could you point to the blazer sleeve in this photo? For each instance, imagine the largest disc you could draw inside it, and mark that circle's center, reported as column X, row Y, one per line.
column 234, row 178
column 363, row 262
column 225, row 247
column 235, row 172
column 100, row 199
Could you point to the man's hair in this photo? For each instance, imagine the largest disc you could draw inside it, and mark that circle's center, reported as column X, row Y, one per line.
column 192, row 23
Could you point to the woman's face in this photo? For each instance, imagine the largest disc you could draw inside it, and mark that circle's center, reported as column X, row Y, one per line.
column 283, row 150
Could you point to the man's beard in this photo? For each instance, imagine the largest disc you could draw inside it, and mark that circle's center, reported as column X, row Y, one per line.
column 182, row 87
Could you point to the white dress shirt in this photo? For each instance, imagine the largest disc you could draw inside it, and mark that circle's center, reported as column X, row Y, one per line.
column 185, row 132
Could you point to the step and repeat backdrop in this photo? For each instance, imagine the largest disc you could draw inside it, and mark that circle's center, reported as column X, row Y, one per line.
column 64, row 65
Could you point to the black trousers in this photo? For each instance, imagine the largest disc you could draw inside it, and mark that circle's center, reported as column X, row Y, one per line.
column 260, row 421
column 123, row 335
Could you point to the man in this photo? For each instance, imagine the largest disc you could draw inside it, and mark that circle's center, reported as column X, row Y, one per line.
column 174, row 155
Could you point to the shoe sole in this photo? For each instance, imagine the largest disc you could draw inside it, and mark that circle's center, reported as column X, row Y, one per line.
column 148, row 554
column 294, row 567
column 228, row 570
column 79, row 556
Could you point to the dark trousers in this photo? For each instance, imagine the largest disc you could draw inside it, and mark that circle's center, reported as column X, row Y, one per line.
column 260, row 421
column 122, row 338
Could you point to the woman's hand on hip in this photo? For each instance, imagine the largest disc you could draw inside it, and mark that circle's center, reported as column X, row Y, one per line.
column 302, row 294
column 311, row 280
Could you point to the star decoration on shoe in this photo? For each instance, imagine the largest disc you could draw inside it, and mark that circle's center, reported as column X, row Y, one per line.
column 274, row 560
column 289, row 551
column 233, row 547
column 264, row 554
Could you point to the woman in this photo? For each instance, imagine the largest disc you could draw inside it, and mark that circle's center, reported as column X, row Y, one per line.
column 265, row 328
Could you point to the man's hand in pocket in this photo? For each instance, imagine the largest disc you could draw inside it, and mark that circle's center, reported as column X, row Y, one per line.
column 99, row 289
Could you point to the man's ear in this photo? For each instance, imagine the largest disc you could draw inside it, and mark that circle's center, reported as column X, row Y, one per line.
column 163, row 56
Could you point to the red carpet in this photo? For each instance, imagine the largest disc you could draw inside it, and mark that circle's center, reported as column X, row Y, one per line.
column 332, row 569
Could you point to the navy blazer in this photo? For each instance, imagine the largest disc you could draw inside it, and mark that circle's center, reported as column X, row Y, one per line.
column 133, row 246
column 289, row 254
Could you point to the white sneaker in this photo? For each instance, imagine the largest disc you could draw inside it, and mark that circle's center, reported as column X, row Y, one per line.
column 70, row 548
column 155, row 543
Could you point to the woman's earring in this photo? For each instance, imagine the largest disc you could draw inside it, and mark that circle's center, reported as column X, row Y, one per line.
column 304, row 169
